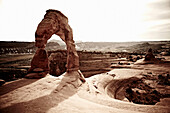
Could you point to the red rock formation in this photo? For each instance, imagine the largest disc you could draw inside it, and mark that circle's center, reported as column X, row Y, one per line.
column 54, row 22
column 40, row 60
column 149, row 56
column 57, row 63
column 2, row 82
column 39, row 64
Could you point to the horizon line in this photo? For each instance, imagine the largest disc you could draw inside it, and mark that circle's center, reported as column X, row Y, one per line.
column 96, row 41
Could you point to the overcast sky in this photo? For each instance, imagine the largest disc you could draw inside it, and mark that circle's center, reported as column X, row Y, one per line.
column 91, row 20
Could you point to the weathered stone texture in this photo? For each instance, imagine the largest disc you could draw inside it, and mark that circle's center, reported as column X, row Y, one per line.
column 57, row 63
column 54, row 22
column 39, row 61
column 149, row 56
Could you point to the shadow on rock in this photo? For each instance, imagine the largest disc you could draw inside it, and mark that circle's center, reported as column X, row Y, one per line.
column 67, row 87
column 134, row 89
column 15, row 85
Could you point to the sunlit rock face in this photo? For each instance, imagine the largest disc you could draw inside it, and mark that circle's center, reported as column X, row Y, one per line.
column 39, row 64
column 40, row 60
column 54, row 22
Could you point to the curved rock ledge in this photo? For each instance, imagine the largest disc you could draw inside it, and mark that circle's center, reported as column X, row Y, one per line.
column 68, row 94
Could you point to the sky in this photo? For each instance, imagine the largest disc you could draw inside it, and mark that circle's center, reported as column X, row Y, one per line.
column 91, row 20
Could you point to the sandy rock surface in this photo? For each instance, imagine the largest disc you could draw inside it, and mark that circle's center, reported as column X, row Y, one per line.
column 68, row 94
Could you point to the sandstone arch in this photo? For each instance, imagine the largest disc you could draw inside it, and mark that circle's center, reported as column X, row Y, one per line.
column 54, row 22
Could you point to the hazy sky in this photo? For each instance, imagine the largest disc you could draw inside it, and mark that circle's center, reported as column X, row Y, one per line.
column 91, row 20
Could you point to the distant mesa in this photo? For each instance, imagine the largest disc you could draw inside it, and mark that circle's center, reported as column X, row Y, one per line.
column 60, row 42
column 159, row 47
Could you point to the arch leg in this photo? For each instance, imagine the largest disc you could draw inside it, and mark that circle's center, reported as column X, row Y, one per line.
column 72, row 56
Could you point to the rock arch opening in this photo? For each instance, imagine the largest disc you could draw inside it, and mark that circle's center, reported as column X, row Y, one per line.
column 53, row 23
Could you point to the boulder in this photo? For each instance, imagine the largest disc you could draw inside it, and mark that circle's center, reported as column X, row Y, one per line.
column 2, row 82
column 38, row 70
column 57, row 63
column 36, row 75
column 134, row 58
column 149, row 56
column 164, row 53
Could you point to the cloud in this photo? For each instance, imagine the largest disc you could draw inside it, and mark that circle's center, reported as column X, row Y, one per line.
column 91, row 20
column 159, row 9
column 157, row 20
